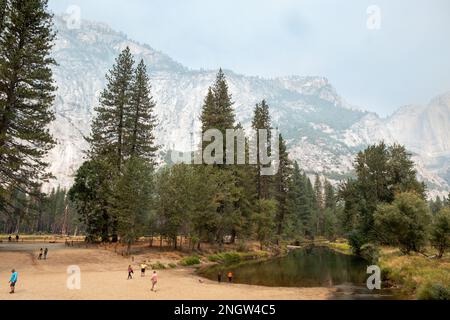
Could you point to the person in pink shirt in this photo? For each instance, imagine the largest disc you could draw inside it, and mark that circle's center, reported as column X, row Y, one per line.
column 154, row 279
column 130, row 272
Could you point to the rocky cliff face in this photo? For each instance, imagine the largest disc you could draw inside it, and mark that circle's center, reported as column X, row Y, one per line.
column 322, row 129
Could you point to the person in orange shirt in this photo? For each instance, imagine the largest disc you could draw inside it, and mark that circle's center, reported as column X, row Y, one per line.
column 230, row 276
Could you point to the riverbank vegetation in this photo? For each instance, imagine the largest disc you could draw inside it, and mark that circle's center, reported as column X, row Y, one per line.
column 414, row 275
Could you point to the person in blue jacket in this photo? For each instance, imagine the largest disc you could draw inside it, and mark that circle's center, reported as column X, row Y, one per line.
column 13, row 280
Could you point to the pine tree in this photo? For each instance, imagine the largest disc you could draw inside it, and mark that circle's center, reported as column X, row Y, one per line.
column 282, row 181
column 3, row 5
column 402, row 175
column 264, row 221
column 382, row 172
column 217, row 110
column 217, row 113
column 436, row 205
column 26, row 95
column 318, row 204
column 91, row 193
column 261, row 120
column 132, row 200
column 329, row 196
column 140, row 120
column 108, row 128
column 299, row 206
column 440, row 231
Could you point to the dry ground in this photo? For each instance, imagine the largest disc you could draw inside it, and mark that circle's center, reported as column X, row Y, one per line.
column 104, row 277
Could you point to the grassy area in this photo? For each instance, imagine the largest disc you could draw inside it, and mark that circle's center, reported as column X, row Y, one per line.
column 342, row 247
column 416, row 274
column 190, row 261
column 236, row 257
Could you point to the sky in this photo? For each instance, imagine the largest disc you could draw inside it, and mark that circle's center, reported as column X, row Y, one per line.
column 378, row 54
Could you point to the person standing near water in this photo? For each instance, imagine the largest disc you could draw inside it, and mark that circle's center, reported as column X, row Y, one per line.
column 219, row 277
column 45, row 253
column 230, row 277
column 130, row 272
column 154, row 279
column 13, row 280
column 40, row 254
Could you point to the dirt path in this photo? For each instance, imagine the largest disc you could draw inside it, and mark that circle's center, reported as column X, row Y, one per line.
column 103, row 276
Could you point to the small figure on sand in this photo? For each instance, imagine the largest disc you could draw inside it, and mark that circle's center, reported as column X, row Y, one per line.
column 143, row 268
column 219, row 277
column 9, row 238
column 40, row 254
column 13, row 280
column 230, row 276
column 17, row 238
column 154, row 279
column 130, row 272
column 45, row 253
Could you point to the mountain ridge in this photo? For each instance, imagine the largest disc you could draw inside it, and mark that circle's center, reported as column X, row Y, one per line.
column 322, row 129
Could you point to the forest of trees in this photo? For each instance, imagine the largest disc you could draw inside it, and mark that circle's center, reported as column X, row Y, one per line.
column 121, row 192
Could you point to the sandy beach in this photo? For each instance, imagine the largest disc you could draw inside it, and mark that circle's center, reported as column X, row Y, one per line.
column 104, row 277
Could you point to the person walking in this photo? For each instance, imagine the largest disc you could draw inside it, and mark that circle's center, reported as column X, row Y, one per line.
column 154, row 279
column 40, row 254
column 45, row 253
column 130, row 272
column 230, row 276
column 143, row 268
column 13, row 281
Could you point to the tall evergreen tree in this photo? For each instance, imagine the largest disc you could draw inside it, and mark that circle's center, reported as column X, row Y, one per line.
column 282, row 181
column 261, row 120
column 382, row 172
column 108, row 128
column 26, row 95
column 140, row 120
column 3, row 5
column 132, row 200
column 299, row 203
column 318, row 204
column 217, row 111
column 329, row 195
column 91, row 195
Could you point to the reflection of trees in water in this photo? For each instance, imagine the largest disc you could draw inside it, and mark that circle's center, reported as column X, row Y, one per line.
column 308, row 267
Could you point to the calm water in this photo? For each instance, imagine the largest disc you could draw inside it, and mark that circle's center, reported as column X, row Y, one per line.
column 309, row 267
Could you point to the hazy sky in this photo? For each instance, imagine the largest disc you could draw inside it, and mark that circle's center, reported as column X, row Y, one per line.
column 406, row 60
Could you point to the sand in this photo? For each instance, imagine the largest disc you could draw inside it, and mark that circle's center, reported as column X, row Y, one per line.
column 104, row 277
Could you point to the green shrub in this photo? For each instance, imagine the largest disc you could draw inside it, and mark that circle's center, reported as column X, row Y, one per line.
column 158, row 266
column 231, row 257
column 215, row 257
column 190, row 261
column 172, row 265
column 226, row 257
column 370, row 252
column 435, row 291
column 356, row 240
